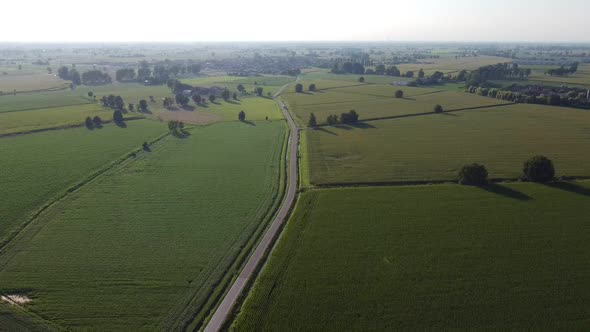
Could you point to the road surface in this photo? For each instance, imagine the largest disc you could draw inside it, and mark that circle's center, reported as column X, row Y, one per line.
column 226, row 306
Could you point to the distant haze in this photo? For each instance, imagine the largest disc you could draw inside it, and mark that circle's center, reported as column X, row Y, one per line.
column 295, row 20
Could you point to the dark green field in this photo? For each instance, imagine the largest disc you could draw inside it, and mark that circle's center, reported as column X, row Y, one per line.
column 142, row 246
column 509, row 257
column 434, row 147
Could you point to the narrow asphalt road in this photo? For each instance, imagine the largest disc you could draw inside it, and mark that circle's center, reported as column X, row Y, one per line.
column 226, row 306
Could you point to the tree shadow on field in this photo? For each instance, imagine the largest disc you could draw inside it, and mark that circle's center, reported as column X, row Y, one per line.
column 235, row 102
column 326, row 131
column 121, row 124
column 449, row 114
column 505, row 191
column 408, row 98
column 362, row 125
column 571, row 187
column 249, row 123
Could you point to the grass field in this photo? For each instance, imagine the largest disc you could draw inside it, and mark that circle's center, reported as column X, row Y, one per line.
column 37, row 167
column 23, row 121
column 32, row 82
column 28, row 101
column 140, row 246
column 268, row 83
column 434, row 147
column 376, row 100
column 445, row 257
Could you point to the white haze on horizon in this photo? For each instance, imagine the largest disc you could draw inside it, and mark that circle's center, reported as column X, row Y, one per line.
column 300, row 20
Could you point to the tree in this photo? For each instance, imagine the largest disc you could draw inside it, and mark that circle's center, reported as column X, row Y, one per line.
column 259, row 91
column 90, row 94
column 399, row 94
column 197, row 98
column 75, row 77
column 225, row 94
column 361, row 79
column 97, row 121
column 241, row 88
column 473, row 175
column 410, row 74
column 130, row 107
column 94, row 77
column 421, row 73
column 242, row 116
column 88, row 123
column 125, row 75
column 119, row 103
column 538, row 169
column 332, row 119
column 143, row 105
column 146, row 147
column 152, row 100
column 118, row 116
column 64, row 73
column 49, row 70
column 212, row 98
column 167, row 102
column 350, row 117
column 312, row 87
column 438, row 109
column 380, row 69
column 181, row 99
column 298, row 88
column 312, row 121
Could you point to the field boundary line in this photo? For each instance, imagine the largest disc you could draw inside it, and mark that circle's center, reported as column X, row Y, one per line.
column 44, row 108
column 55, row 89
column 426, row 182
column 63, row 127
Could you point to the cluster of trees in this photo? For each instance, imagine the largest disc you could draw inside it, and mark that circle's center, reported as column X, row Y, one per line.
column 562, row 71
column 125, row 75
column 358, row 69
column 95, row 77
column 572, row 98
column 499, row 71
column 112, row 101
column 68, row 74
column 162, row 72
column 332, row 119
column 536, row 169
column 118, row 116
column 348, row 68
column 177, row 129
column 92, row 123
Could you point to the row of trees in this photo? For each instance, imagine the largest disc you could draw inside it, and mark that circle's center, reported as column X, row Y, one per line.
column 571, row 99
column 536, row 169
column 91, row 77
column 498, row 71
column 92, row 123
column 356, row 68
column 562, row 71
column 299, row 87
column 349, row 117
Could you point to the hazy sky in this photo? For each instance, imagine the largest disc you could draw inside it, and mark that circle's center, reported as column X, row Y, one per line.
column 295, row 20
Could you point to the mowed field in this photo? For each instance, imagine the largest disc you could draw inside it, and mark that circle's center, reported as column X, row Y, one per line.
column 434, row 147
column 29, row 101
column 34, row 82
column 37, row 167
column 372, row 101
column 444, row 257
column 143, row 245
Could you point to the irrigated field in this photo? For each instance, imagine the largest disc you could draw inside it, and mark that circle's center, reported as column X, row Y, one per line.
column 38, row 167
column 143, row 245
column 445, row 257
column 434, row 147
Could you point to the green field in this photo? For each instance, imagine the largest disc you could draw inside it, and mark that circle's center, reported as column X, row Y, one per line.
column 37, row 167
column 445, row 257
column 377, row 100
column 33, row 82
column 28, row 101
column 24, row 121
column 434, row 147
column 141, row 246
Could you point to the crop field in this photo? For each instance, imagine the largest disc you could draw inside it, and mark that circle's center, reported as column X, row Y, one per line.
column 24, row 121
column 581, row 77
column 451, row 65
column 141, row 246
column 34, row 82
column 380, row 79
column 37, row 167
column 444, row 257
column 268, row 83
column 130, row 92
column 434, row 147
column 376, row 101
column 28, row 101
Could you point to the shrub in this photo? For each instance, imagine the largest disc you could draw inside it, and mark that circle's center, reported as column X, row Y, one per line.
column 97, row 121
column 399, row 94
column 332, row 119
column 350, row 117
column 473, row 175
column 312, row 121
column 361, row 79
column 438, row 109
column 118, row 116
column 298, row 88
column 538, row 169
column 88, row 123
column 242, row 116
column 312, row 87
